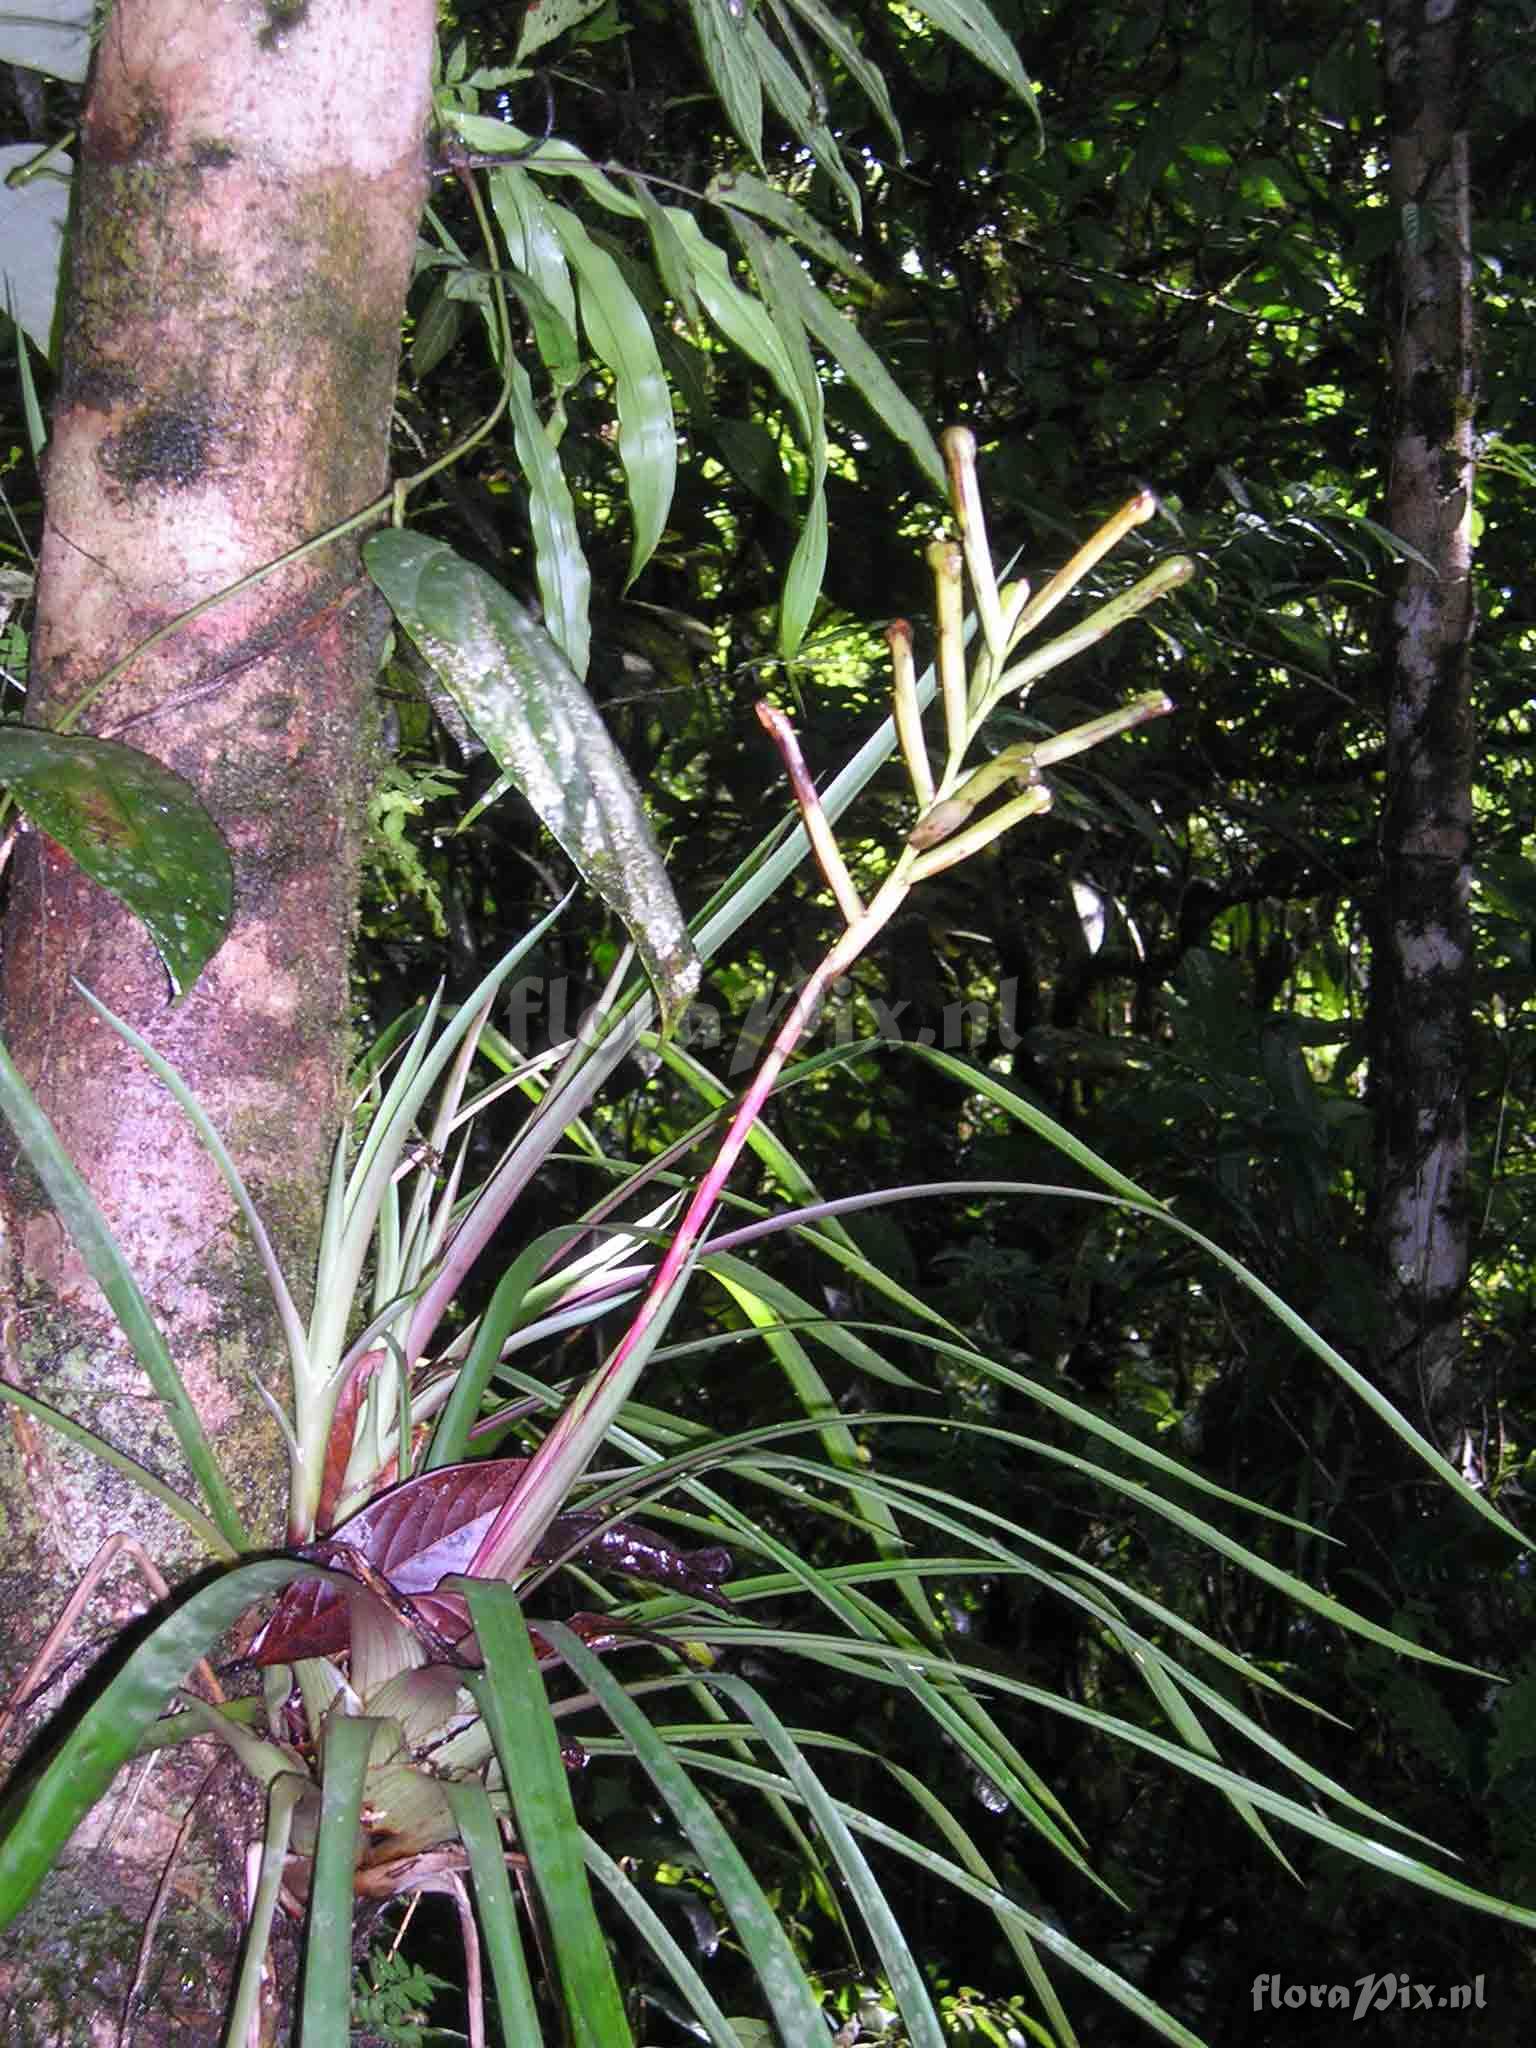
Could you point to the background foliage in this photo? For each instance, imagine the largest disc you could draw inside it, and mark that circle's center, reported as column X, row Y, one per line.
column 1185, row 285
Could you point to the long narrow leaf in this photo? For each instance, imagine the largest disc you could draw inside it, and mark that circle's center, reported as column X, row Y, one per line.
column 905, row 1976
column 779, row 1971
column 87, row 1230
column 325, row 2012
column 1137, row 1197
column 620, row 333
column 497, row 1910
column 42, row 1814
column 218, row 1152
column 150, row 1482
column 658, row 1938
column 511, row 1696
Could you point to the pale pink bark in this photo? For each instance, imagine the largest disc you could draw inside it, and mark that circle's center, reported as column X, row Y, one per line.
column 251, row 184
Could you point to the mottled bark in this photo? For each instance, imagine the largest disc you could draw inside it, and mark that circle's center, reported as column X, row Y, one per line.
column 1422, row 959
column 251, row 180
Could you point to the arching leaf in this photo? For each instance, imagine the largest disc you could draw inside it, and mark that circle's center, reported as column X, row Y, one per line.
column 620, row 332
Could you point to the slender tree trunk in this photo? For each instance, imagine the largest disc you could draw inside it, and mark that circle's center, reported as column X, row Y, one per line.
column 250, row 185
column 1422, row 961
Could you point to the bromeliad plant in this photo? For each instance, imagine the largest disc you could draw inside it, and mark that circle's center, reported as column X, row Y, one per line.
column 406, row 1731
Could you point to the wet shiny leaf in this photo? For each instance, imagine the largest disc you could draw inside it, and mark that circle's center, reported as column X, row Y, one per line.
column 430, row 1528
column 136, row 828
column 526, row 702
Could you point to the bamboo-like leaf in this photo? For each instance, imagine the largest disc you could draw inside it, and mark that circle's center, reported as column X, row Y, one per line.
column 438, row 326
column 549, row 19
column 728, row 58
column 620, row 333
column 88, row 1232
column 752, row 195
column 547, row 158
column 838, row 36
column 559, row 350
column 510, row 1694
column 973, row 25
column 667, row 248
column 565, row 582
column 135, row 827
column 771, row 264
column 863, row 367
column 529, row 707
column 797, row 108
column 533, row 248
column 42, row 1814
column 744, row 320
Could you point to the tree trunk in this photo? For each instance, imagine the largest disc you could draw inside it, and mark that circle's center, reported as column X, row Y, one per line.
column 250, row 184
column 1422, row 960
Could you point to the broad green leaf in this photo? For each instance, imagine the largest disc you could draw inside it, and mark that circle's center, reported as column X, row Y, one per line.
column 52, row 36
column 40, row 1816
column 722, row 27
column 88, row 1232
column 620, row 333
column 528, row 705
column 134, row 827
column 550, row 18
column 32, row 218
